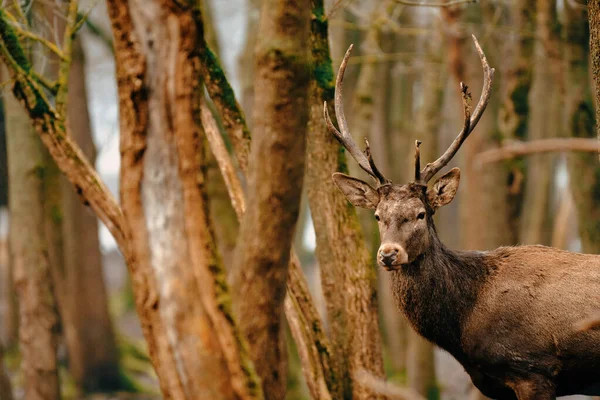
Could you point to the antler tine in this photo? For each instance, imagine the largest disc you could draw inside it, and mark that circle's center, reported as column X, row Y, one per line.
column 470, row 121
column 417, row 161
column 344, row 137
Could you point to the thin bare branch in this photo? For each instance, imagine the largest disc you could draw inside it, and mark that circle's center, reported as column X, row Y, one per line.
column 434, row 4
column 29, row 35
column 470, row 121
column 65, row 63
column 518, row 148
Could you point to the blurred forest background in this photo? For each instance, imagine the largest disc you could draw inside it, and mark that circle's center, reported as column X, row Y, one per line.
column 530, row 176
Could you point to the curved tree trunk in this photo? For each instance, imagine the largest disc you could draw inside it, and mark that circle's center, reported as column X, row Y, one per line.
column 343, row 257
column 274, row 185
column 38, row 327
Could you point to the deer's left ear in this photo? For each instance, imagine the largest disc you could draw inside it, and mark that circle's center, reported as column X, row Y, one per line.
column 444, row 189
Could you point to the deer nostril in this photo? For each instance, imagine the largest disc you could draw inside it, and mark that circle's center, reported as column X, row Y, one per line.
column 389, row 252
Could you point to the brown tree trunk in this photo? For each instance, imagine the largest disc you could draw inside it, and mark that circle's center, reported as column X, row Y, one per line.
column 29, row 256
column 180, row 288
column 584, row 169
column 179, row 285
column 275, row 177
column 545, row 122
column 514, row 112
column 93, row 355
column 343, row 257
column 5, row 386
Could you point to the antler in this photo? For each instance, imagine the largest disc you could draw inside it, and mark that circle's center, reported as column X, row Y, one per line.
column 344, row 137
column 470, row 121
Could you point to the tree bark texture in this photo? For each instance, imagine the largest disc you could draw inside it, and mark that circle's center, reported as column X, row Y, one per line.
column 593, row 9
column 93, row 355
column 275, row 177
column 196, row 347
column 584, row 170
column 180, row 288
column 38, row 328
column 347, row 273
column 514, row 112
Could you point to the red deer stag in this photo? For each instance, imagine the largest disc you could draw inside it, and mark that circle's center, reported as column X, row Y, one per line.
column 506, row 315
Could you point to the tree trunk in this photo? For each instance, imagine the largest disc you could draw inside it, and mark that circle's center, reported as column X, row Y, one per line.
column 584, row 168
column 545, row 121
column 93, row 355
column 343, row 257
column 274, row 186
column 29, row 256
column 514, row 112
column 5, row 387
column 180, row 287
column 163, row 230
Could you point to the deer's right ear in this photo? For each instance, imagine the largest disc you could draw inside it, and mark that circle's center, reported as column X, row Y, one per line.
column 359, row 193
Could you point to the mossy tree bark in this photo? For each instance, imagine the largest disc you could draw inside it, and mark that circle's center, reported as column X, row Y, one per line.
column 38, row 327
column 343, row 257
column 196, row 345
column 163, row 230
column 584, row 169
column 275, row 177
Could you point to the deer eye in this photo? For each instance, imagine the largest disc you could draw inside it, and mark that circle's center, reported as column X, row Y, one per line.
column 377, row 217
column 421, row 215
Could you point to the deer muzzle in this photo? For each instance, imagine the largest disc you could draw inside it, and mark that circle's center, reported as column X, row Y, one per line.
column 391, row 255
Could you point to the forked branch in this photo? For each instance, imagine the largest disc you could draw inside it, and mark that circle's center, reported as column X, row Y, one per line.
column 470, row 121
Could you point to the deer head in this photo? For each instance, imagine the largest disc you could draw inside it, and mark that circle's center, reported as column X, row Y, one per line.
column 404, row 212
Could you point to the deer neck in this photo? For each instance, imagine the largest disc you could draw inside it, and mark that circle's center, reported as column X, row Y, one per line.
column 438, row 291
